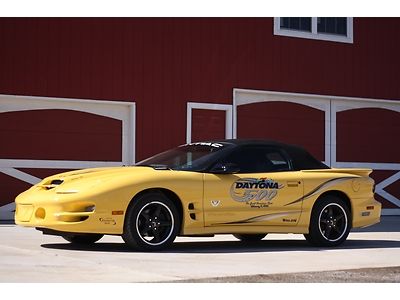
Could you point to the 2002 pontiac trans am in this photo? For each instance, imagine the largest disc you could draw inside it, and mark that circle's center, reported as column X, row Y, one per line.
column 244, row 187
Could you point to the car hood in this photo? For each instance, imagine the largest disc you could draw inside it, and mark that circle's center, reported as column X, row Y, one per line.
column 87, row 178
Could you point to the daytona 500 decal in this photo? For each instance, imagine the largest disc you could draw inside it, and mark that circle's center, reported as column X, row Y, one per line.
column 256, row 192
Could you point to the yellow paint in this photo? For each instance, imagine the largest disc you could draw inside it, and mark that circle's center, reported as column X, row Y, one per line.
column 87, row 200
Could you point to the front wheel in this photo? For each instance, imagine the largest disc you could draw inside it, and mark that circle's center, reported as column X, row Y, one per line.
column 330, row 222
column 82, row 239
column 152, row 223
column 249, row 237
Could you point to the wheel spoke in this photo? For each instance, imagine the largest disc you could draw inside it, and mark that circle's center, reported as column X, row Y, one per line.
column 145, row 215
column 330, row 212
column 156, row 234
column 164, row 224
column 145, row 230
column 328, row 232
column 323, row 221
column 337, row 230
column 157, row 211
column 339, row 217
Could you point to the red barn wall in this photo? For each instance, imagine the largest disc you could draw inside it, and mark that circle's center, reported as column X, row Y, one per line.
column 161, row 63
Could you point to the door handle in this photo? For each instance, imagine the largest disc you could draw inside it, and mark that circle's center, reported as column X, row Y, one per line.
column 293, row 183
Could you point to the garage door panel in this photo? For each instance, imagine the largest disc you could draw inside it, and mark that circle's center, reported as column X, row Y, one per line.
column 286, row 122
column 28, row 137
column 368, row 135
column 60, row 135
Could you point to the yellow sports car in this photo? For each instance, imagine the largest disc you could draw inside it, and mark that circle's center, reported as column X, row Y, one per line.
column 244, row 187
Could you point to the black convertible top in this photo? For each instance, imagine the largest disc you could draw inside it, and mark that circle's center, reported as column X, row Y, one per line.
column 301, row 159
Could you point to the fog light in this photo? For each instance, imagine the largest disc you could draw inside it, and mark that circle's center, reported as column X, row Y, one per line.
column 40, row 213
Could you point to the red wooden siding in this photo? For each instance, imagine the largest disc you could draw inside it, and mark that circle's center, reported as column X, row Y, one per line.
column 368, row 135
column 59, row 135
column 207, row 125
column 161, row 63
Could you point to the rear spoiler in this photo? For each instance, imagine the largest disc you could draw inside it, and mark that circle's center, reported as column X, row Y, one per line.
column 354, row 171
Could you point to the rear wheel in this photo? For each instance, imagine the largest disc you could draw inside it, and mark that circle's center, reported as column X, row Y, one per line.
column 152, row 223
column 330, row 222
column 82, row 239
column 250, row 237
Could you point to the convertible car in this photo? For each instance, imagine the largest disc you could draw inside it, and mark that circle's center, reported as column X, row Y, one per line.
column 247, row 188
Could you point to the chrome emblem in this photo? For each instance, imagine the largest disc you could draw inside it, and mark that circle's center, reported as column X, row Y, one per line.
column 215, row 203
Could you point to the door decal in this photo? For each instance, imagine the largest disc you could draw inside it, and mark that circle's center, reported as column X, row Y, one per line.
column 255, row 192
column 266, row 217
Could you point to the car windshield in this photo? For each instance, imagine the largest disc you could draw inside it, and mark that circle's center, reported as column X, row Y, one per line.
column 190, row 157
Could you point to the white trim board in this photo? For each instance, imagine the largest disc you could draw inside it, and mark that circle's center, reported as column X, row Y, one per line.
column 56, row 164
column 209, row 106
column 7, row 212
column 390, row 212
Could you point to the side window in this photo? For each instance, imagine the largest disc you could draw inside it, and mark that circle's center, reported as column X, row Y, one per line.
column 278, row 162
column 258, row 159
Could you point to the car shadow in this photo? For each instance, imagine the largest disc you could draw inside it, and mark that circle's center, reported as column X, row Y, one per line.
column 230, row 246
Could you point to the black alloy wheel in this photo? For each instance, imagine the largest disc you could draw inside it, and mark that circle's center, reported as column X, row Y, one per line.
column 330, row 222
column 155, row 223
column 152, row 223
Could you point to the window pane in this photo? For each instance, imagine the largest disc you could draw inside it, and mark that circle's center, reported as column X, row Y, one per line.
column 332, row 25
column 303, row 24
column 342, row 26
column 284, row 22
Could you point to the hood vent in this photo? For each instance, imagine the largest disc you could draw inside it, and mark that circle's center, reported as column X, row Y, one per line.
column 54, row 183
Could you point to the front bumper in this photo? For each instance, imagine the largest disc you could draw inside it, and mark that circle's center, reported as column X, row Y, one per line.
column 67, row 213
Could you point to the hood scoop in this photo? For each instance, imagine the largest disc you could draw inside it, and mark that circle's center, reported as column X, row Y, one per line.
column 54, row 183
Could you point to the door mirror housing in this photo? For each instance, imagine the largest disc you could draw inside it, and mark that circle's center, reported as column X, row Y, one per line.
column 225, row 168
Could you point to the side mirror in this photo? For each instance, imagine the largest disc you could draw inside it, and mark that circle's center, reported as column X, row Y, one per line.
column 225, row 168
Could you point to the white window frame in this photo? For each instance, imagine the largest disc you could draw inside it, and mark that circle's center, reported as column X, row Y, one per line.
column 209, row 106
column 314, row 35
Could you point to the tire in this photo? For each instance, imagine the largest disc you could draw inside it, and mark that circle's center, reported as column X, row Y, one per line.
column 250, row 237
column 147, row 214
column 83, row 239
column 330, row 222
